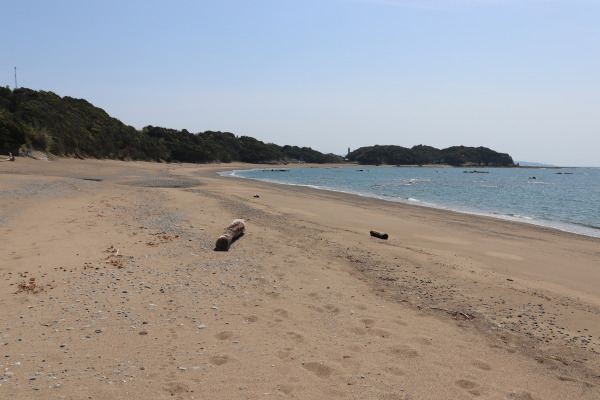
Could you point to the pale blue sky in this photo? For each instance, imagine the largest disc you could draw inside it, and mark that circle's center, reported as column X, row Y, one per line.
column 518, row 76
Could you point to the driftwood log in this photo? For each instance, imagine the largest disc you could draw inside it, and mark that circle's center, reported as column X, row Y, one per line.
column 379, row 235
column 233, row 231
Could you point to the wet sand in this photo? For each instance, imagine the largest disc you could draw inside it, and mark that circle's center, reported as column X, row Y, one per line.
column 110, row 288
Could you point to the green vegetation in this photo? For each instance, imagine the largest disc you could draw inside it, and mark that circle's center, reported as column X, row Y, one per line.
column 421, row 155
column 65, row 126
column 74, row 127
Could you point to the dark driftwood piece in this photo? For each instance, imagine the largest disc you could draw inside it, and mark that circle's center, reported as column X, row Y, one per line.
column 234, row 231
column 379, row 235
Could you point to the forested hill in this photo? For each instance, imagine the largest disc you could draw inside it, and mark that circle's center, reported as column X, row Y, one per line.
column 65, row 126
column 421, row 155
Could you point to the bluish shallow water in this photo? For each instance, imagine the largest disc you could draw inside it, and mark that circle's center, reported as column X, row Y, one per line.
column 567, row 199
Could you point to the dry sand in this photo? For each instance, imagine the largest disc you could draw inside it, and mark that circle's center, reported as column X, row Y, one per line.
column 110, row 288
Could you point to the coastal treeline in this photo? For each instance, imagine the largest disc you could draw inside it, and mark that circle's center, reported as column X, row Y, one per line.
column 422, row 155
column 66, row 126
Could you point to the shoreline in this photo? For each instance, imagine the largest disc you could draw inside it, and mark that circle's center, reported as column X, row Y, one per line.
column 572, row 228
column 129, row 299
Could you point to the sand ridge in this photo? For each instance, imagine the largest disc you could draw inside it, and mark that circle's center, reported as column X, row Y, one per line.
column 110, row 288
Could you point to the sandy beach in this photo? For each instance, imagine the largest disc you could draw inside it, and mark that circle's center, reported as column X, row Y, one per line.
column 110, row 288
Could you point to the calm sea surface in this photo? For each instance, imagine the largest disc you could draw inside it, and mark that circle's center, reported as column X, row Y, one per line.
column 567, row 199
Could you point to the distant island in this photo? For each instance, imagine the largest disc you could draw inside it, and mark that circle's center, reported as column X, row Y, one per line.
column 535, row 164
column 65, row 126
column 427, row 155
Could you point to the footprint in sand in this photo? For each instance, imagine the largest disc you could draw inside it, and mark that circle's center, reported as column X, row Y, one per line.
column 404, row 351
column 521, row 396
column 566, row 379
column 224, row 335
column 355, row 348
column 252, row 318
column 285, row 353
column 282, row 313
column 395, row 371
column 466, row 384
column 358, row 330
column 423, row 341
column 287, row 389
column 368, row 322
column 470, row 386
column 296, row 337
column 482, row 365
column 382, row 333
column 332, row 309
column 219, row 360
column 322, row 371
column 174, row 333
column 175, row 388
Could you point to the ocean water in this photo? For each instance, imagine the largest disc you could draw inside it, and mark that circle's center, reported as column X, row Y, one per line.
column 566, row 199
